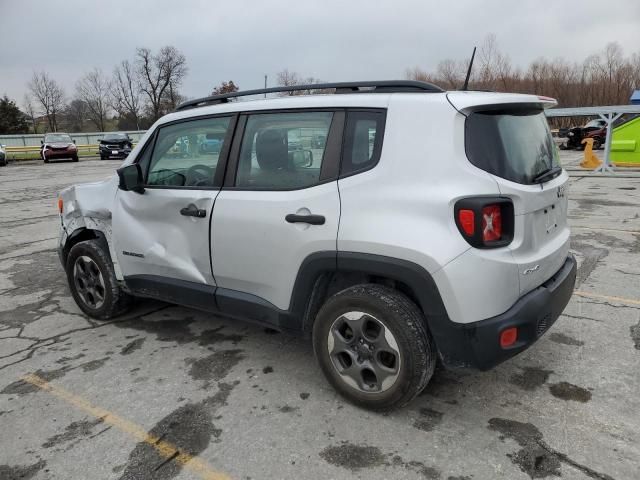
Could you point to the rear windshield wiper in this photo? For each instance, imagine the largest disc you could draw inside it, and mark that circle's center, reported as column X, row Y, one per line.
column 547, row 174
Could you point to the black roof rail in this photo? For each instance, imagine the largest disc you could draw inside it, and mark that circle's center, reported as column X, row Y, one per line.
column 384, row 86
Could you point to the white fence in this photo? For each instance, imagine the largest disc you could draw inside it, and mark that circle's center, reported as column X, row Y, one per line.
column 90, row 138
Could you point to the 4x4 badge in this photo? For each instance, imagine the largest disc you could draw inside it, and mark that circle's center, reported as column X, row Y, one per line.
column 531, row 270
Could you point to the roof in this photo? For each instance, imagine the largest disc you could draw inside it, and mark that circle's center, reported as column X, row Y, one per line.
column 591, row 111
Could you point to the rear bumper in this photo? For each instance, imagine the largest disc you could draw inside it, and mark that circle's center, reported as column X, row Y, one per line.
column 477, row 344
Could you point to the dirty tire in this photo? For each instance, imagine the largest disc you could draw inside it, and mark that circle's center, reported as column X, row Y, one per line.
column 115, row 301
column 405, row 322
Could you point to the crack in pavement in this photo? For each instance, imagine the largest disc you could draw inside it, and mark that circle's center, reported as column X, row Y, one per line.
column 58, row 338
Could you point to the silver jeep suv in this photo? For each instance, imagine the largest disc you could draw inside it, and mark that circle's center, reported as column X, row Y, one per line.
column 392, row 222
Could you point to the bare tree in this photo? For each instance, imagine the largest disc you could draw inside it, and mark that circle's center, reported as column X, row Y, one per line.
column 606, row 78
column 93, row 89
column 76, row 114
column 29, row 109
column 225, row 87
column 49, row 95
column 125, row 92
column 285, row 78
column 160, row 76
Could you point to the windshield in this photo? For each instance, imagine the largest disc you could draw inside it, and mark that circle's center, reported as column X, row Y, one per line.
column 515, row 145
column 115, row 136
column 594, row 123
column 57, row 138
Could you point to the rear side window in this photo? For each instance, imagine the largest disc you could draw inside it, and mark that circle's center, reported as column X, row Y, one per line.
column 515, row 145
column 283, row 151
column 362, row 142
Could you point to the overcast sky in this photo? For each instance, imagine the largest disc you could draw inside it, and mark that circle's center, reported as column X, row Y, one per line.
column 243, row 40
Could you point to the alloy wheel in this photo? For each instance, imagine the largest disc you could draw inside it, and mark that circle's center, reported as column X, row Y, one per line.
column 364, row 352
column 89, row 282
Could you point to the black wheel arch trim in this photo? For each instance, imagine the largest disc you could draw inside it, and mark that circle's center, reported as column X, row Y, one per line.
column 79, row 235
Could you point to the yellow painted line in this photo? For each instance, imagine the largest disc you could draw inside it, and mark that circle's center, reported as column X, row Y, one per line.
column 165, row 449
column 605, row 229
column 606, row 297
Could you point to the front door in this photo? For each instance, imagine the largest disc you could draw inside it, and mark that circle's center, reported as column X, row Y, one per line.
column 279, row 205
column 163, row 233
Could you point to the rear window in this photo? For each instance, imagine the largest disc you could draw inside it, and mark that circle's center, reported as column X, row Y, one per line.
column 515, row 145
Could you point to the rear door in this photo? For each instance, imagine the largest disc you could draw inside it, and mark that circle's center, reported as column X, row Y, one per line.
column 164, row 232
column 279, row 205
column 514, row 144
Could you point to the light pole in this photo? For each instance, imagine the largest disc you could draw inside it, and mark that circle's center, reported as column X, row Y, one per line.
column 265, row 86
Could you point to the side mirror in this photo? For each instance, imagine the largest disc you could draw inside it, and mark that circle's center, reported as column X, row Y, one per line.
column 301, row 158
column 131, row 178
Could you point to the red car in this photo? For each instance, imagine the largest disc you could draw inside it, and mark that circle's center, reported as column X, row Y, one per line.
column 57, row 146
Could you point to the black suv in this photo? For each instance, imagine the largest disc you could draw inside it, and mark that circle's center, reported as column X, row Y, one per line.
column 115, row 145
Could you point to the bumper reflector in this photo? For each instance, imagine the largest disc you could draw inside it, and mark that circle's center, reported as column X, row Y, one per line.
column 508, row 337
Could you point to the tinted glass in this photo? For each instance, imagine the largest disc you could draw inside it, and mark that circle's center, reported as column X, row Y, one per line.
column 363, row 141
column 183, row 155
column 283, row 151
column 513, row 145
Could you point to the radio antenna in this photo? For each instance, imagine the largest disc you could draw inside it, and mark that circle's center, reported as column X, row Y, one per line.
column 466, row 80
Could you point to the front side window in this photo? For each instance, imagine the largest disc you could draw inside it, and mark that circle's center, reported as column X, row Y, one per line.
column 186, row 154
column 515, row 145
column 283, row 151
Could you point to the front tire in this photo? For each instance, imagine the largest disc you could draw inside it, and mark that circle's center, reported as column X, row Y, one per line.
column 74, row 159
column 92, row 281
column 373, row 346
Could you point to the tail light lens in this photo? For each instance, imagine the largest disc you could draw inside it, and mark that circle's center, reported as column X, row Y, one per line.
column 485, row 222
column 466, row 218
column 491, row 223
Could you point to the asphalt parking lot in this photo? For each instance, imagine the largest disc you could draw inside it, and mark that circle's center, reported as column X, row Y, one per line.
column 168, row 392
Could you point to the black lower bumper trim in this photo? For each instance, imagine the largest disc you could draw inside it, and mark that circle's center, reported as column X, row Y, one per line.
column 477, row 345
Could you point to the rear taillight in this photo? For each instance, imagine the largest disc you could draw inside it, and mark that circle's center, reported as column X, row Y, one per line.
column 485, row 222
column 467, row 221
column 491, row 223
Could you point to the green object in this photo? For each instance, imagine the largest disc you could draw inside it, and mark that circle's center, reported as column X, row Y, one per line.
column 625, row 144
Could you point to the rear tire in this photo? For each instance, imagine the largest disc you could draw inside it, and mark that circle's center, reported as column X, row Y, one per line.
column 373, row 346
column 46, row 160
column 93, row 282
